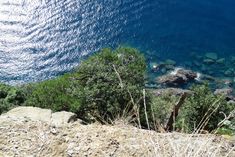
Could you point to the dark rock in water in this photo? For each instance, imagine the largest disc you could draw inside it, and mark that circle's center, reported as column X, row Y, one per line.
column 177, row 78
column 227, row 92
column 171, row 80
column 190, row 75
column 171, row 91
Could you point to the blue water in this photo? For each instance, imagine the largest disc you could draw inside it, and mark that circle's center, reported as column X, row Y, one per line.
column 40, row 39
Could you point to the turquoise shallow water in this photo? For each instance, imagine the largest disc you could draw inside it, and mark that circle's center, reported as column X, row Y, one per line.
column 40, row 39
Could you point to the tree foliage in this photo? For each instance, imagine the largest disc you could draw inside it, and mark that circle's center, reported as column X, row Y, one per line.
column 10, row 97
column 55, row 94
column 110, row 80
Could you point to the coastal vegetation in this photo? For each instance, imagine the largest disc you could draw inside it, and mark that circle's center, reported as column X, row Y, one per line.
column 110, row 85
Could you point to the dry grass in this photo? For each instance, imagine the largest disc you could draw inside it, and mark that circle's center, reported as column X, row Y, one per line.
column 27, row 138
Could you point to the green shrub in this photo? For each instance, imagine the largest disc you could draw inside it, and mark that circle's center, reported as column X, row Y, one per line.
column 10, row 97
column 202, row 106
column 54, row 94
column 109, row 80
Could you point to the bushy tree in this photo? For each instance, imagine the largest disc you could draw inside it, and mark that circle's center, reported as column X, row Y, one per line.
column 110, row 81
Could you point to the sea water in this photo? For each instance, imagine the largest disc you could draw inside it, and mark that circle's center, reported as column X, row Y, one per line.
column 40, row 39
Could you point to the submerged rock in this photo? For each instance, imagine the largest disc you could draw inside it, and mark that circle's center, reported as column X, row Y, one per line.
column 170, row 62
column 221, row 61
column 208, row 61
column 212, row 56
column 229, row 72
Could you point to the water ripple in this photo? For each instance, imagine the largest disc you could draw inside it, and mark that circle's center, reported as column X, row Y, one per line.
column 40, row 39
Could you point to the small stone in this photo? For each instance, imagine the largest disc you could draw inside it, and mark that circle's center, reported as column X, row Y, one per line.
column 212, row 56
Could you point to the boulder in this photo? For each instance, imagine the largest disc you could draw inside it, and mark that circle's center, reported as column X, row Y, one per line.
column 23, row 113
column 177, row 78
column 190, row 75
column 32, row 113
column 171, row 80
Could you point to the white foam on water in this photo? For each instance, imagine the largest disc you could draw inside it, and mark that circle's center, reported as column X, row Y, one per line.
column 175, row 71
column 198, row 78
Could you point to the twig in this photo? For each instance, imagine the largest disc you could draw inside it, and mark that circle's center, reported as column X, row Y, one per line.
column 119, row 77
column 145, row 110
column 174, row 114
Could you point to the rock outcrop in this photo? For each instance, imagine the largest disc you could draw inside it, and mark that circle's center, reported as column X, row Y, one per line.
column 177, row 78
